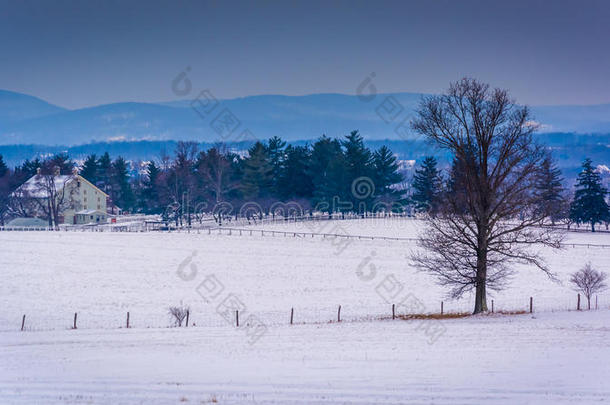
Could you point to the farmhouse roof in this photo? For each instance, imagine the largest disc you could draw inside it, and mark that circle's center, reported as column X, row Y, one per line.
column 36, row 186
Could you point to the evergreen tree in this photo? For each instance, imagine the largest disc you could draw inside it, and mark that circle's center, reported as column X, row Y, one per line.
column 426, row 185
column 258, row 173
column 29, row 168
column 386, row 176
column 150, row 193
column 549, row 187
column 327, row 171
column 3, row 167
column 359, row 169
column 121, row 191
column 277, row 156
column 5, row 190
column 61, row 161
column 589, row 204
column 104, row 172
column 295, row 180
column 90, row 169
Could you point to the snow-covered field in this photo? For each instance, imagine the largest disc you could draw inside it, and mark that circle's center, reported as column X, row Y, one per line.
column 552, row 356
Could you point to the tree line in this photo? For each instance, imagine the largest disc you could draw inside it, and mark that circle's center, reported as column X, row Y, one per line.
column 586, row 205
column 321, row 176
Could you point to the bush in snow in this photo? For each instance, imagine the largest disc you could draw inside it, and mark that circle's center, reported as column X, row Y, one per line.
column 589, row 281
column 178, row 314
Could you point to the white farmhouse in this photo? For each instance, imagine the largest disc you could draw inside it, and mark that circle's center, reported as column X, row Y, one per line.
column 77, row 201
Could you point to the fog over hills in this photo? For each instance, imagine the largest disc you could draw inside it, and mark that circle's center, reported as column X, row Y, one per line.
column 28, row 120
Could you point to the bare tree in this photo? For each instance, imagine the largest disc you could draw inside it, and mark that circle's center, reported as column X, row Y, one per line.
column 182, row 179
column 216, row 170
column 178, row 314
column 53, row 193
column 488, row 217
column 589, row 281
column 47, row 194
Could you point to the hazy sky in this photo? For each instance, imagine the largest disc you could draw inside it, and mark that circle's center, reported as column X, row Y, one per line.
column 84, row 53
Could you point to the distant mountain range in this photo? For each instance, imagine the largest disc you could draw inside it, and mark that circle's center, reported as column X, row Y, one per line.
column 28, row 120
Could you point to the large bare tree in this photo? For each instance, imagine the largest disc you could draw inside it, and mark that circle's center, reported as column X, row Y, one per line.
column 215, row 168
column 53, row 193
column 488, row 217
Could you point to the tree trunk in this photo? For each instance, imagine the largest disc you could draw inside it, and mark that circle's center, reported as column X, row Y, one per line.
column 592, row 226
column 589, row 303
column 480, row 300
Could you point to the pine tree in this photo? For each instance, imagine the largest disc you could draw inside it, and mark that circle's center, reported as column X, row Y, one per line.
column 258, row 173
column 121, row 191
column 61, row 161
column 3, row 167
column 359, row 169
column 5, row 190
column 90, row 169
column 327, row 171
column 426, row 185
column 386, row 175
column 295, row 180
column 589, row 204
column 104, row 172
column 277, row 155
column 549, row 187
column 29, row 168
column 150, row 191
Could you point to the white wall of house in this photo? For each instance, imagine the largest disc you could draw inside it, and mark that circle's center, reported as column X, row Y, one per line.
column 84, row 196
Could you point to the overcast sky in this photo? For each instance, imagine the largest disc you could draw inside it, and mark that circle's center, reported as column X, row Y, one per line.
column 78, row 54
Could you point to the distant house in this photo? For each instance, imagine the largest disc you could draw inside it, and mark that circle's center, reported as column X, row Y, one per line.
column 64, row 199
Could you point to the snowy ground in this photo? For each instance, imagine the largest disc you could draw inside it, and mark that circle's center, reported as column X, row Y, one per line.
column 549, row 358
column 552, row 357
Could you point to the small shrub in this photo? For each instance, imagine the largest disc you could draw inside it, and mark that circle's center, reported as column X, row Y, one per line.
column 589, row 281
column 178, row 314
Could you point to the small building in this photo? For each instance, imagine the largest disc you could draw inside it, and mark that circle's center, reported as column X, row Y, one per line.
column 90, row 217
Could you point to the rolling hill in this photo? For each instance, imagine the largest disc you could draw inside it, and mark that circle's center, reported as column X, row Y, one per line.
column 28, row 120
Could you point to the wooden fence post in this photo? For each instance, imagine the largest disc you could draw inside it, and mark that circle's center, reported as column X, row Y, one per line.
column 127, row 324
column 23, row 322
column 492, row 306
column 339, row 314
column 578, row 303
column 291, row 315
column 442, row 307
column 393, row 311
column 188, row 313
column 74, row 325
column 237, row 318
column 531, row 305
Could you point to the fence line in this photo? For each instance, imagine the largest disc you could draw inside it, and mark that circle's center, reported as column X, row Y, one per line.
column 141, row 226
column 263, row 232
column 251, row 232
column 291, row 315
column 300, row 234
